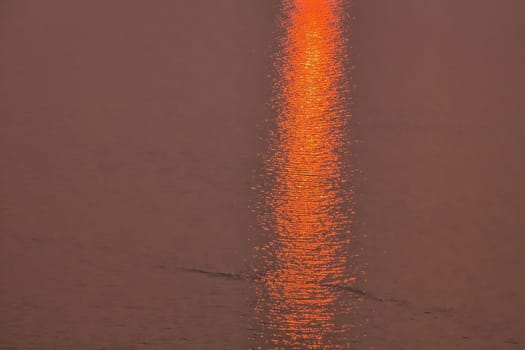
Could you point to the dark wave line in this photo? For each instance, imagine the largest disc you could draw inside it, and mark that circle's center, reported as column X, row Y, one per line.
column 245, row 277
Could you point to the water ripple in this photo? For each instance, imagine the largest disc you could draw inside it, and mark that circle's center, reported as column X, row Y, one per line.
column 307, row 203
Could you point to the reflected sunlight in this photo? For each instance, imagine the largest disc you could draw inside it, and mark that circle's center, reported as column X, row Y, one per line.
column 307, row 206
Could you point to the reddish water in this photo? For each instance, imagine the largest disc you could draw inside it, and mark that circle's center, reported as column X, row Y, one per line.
column 128, row 137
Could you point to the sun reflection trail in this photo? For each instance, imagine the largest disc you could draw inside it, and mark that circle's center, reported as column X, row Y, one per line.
column 306, row 207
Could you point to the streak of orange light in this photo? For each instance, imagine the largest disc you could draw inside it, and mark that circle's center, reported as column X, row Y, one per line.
column 307, row 200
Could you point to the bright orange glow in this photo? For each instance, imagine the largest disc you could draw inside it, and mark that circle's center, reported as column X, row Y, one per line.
column 307, row 208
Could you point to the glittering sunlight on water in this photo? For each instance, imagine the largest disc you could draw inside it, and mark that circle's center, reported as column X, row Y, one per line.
column 306, row 205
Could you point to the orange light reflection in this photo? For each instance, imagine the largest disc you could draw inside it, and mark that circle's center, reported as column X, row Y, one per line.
column 308, row 205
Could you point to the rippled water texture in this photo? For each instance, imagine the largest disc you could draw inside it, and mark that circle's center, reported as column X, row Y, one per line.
column 306, row 205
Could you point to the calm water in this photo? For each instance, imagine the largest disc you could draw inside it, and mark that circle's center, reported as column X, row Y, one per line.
column 127, row 153
column 306, row 207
